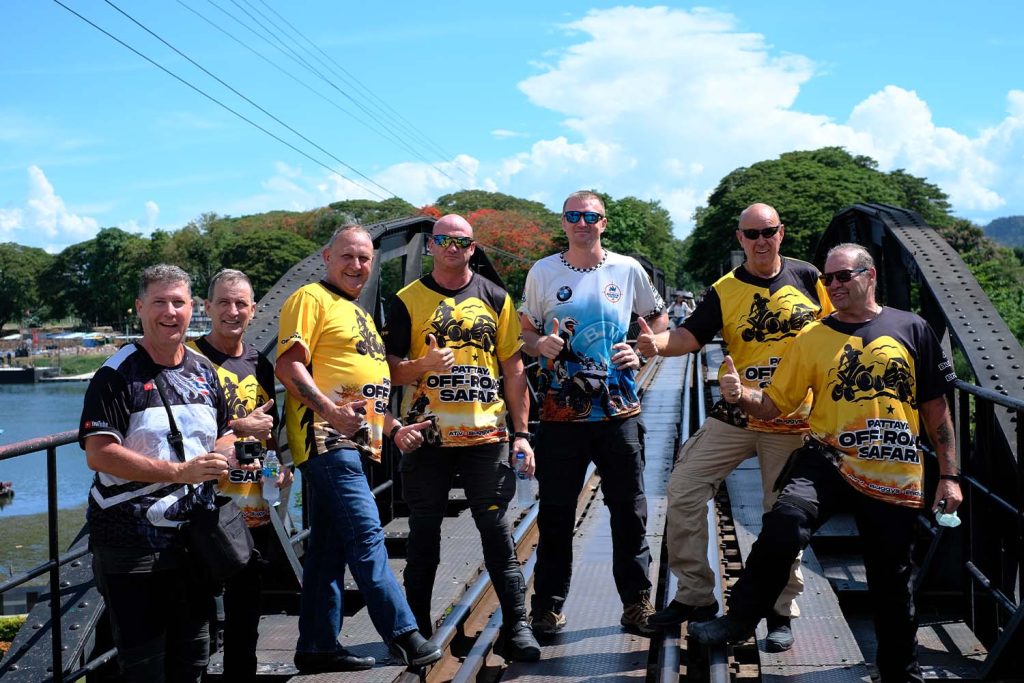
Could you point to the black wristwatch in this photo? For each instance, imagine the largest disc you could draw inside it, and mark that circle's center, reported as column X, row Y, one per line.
column 394, row 430
column 524, row 435
column 950, row 477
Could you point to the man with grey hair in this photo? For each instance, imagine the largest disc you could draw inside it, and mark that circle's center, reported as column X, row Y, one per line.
column 876, row 373
column 247, row 378
column 140, row 495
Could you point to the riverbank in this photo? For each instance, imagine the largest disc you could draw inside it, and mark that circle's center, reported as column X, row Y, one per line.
column 24, row 544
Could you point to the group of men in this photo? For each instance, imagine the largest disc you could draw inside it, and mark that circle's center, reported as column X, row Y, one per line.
column 454, row 338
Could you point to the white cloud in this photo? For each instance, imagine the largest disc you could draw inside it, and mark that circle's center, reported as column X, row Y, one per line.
column 152, row 213
column 45, row 214
column 665, row 102
column 504, row 133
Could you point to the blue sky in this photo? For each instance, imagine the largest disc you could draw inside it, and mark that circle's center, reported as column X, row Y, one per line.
column 535, row 99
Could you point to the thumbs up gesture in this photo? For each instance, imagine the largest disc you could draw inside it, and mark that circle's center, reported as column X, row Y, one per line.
column 729, row 383
column 550, row 345
column 646, row 341
column 257, row 424
column 436, row 359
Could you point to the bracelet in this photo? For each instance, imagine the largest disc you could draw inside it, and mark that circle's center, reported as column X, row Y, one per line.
column 394, row 430
column 950, row 477
column 524, row 435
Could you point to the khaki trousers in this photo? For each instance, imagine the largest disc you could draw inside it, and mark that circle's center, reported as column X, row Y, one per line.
column 705, row 460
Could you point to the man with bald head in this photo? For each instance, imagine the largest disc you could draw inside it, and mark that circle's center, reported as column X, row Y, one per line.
column 759, row 308
column 452, row 335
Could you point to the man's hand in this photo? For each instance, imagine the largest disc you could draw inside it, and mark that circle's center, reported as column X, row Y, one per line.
column 625, row 357
column 257, row 424
column 202, row 468
column 523, row 446
column 409, row 437
column 948, row 491
column 729, row 383
column 550, row 345
column 348, row 418
column 646, row 340
column 436, row 359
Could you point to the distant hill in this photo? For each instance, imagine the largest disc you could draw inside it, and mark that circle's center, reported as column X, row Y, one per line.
column 1008, row 231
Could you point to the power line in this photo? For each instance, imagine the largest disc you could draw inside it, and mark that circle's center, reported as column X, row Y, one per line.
column 386, row 108
column 247, row 99
column 219, row 103
column 292, row 54
column 386, row 134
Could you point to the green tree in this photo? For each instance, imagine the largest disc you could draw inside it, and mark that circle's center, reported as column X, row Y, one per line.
column 98, row 279
column 636, row 226
column 468, row 201
column 265, row 256
column 20, row 268
column 807, row 189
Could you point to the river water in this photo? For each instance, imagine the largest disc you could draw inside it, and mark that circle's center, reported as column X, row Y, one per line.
column 32, row 410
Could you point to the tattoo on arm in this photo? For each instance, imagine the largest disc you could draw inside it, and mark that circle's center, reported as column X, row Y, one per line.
column 944, row 435
column 310, row 396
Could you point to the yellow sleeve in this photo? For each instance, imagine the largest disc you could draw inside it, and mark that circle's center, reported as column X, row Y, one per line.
column 300, row 322
column 824, row 300
column 792, row 377
column 510, row 332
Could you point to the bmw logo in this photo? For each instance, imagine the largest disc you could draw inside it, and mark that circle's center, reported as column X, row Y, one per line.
column 564, row 293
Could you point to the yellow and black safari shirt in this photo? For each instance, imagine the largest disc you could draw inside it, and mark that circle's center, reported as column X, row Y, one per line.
column 479, row 324
column 248, row 382
column 345, row 357
column 868, row 380
column 759, row 318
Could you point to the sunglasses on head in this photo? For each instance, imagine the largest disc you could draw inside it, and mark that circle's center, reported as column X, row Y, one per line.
column 754, row 233
column 589, row 217
column 445, row 241
column 844, row 275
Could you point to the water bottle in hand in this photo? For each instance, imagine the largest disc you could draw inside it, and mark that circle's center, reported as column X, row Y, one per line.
column 524, row 485
column 942, row 518
column 271, row 469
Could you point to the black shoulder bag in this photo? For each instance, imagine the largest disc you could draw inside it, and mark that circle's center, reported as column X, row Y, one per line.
column 216, row 532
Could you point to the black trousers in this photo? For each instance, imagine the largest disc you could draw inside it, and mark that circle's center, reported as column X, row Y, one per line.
column 490, row 483
column 159, row 612
column 242, row 607
column 564, row 449
column 813, row 492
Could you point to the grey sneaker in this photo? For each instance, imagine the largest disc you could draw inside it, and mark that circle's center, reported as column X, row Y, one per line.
column 635, row 616
column 546, row 622
column 780, row 634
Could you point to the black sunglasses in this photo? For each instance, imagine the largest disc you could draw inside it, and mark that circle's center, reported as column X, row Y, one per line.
column 844, row 275
column 445, row 241
column 754, row 233
column 589, row 217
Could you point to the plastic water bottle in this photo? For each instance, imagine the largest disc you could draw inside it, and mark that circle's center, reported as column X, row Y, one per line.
column 942, row 518
column 524, row 485
column 271, row 468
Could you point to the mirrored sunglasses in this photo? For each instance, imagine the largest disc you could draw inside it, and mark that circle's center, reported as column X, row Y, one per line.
column 445, row 241
column 589, row 217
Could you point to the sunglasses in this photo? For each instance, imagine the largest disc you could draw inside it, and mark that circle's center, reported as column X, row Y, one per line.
column 754, row 233
column 842, row 275
column 445, row 241
column 589, row 217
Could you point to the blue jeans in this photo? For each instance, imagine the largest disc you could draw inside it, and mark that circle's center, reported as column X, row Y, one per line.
column 345, row 529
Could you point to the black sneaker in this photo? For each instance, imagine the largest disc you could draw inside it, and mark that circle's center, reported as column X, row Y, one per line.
column 721, row 631
column 324, row 662
column 780, row 634
column 675, row 613
column 414, row 650
column 520, row 644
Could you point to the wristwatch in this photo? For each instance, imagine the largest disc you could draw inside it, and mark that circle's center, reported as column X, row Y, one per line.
column 524, row 435
column 394, row 430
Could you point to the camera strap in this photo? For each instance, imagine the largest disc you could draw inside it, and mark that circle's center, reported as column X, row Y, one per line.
column 174, row 437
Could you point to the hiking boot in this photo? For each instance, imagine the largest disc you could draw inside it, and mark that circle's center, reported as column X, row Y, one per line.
column 324, row 662
column 780, row 634
column 635, row 615
column 414, row 650
column 546, row 623
column 675, row 613
column 520, row 644
column 727, row 629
